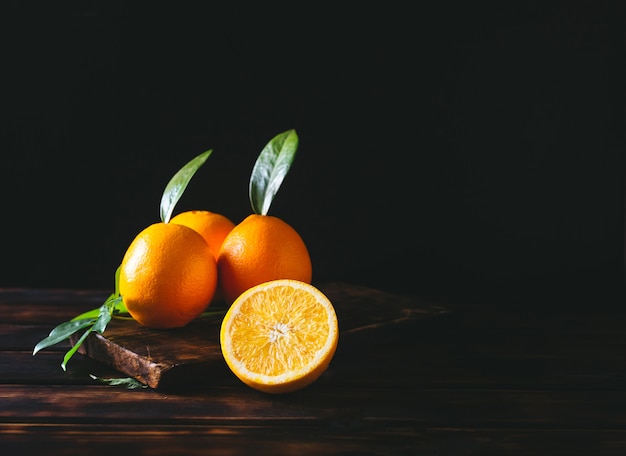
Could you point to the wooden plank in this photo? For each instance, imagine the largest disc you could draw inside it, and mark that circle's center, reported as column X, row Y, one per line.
column 24, row 337
column 487, row 379
column 334, row 439
column 318, row 404
column 22, row 368
column 48, row 307
column 168, row 358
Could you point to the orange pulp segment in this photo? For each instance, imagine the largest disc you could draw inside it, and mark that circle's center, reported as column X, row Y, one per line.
column 279, row 336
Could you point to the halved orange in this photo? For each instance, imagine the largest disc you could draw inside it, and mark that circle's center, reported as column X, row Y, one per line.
column 279, row 336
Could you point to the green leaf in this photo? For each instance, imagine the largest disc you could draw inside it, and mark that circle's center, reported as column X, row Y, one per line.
column 103, row 319
column 271, row 167
column 128, row 382
column 94, row 320
column 75, row 348
column 119, row 307
column 62, row 332
column 114, row 305
column 177, row 185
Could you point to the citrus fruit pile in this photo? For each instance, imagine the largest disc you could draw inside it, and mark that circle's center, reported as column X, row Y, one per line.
column 175, row 268
column 279, row 332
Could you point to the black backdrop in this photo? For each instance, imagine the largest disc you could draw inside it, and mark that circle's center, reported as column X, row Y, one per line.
column 443, row 148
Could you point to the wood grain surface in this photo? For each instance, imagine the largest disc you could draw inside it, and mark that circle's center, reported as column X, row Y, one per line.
column 495, row 375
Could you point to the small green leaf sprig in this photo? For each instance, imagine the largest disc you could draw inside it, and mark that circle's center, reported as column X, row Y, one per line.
column 96, row 320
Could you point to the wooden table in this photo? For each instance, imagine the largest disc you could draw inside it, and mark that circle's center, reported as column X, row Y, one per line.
column 497, row 375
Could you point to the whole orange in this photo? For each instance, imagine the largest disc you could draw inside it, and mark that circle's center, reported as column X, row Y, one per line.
column 212, row 226
column 259, row 249
column 168, row 276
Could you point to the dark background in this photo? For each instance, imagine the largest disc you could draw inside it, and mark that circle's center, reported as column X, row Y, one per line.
column 446, row 147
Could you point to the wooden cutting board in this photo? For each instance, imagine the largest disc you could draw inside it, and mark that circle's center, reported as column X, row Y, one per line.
column 168, row 358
